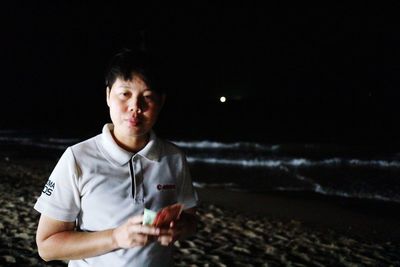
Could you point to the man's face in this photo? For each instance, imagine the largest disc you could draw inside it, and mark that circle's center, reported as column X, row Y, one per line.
column 134, row 108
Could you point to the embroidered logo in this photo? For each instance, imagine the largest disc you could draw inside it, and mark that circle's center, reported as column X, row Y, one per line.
column 162, row 187
column 49, row 187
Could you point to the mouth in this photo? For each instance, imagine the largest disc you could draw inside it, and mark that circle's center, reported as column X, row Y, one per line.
column 134, row 121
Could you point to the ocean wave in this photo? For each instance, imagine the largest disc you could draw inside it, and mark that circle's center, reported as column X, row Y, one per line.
column 69, row 141
column 244, row 147
column 254, row 155
column 226, row 146
column 215, row 185
column 20, row 140
column 360, row 195
column 316, row 189
column 26, row 141
column 296, row 162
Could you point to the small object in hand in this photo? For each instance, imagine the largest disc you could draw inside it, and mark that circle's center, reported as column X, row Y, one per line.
column 163, row 217
column 149, row 217
column 168, row 214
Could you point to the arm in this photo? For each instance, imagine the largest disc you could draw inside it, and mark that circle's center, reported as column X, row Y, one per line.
column 59, row 240
column 180, row 229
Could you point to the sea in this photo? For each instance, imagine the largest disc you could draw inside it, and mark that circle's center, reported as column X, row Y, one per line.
column 342, row 170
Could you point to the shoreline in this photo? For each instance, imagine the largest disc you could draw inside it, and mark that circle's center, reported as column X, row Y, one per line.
column 368, row 219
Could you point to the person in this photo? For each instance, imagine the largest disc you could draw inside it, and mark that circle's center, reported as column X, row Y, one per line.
column 92, row 205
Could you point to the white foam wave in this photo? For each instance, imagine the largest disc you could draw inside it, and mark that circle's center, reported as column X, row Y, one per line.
column 296, row 162
column 68, row 141
column 320, row 190
column 379, row 163
column 225, row 146
column 21, row 140
column 359, row 195
column 238, row 162
column 317, row 188
column 26, row 141
column 214, row 185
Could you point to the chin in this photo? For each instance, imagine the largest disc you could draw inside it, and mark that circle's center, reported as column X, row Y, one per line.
column 134, row 132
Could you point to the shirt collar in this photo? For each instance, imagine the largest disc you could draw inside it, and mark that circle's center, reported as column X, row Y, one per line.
column 121, row 156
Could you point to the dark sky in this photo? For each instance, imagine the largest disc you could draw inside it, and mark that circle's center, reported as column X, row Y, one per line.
column 324, row 72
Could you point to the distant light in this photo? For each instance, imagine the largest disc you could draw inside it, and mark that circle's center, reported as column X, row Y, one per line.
column 222, row 99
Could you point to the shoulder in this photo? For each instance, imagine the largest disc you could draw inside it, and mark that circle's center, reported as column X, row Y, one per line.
column 86, row 148
column 168, row 148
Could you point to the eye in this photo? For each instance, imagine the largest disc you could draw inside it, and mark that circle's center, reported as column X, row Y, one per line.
column 149, row 97
column 124, row 94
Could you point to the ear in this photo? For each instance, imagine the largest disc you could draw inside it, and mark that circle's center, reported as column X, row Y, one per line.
column 108, row 90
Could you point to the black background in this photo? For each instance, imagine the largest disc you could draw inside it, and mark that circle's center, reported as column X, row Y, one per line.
column 321, row 72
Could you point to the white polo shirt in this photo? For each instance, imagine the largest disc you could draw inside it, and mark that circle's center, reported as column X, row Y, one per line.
column 100, row 185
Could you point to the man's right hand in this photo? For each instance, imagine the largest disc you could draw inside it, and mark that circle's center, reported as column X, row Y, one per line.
column 132, row 233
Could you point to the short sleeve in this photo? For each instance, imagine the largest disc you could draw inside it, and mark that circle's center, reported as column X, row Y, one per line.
column 187, row 194
column 60, row 198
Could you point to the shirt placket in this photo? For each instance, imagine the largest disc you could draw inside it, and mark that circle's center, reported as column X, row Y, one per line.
column 137, row 180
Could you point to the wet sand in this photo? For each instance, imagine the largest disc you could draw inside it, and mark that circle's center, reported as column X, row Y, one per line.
column 235, row 229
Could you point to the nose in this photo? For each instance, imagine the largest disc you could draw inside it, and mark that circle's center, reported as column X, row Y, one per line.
column 135, row 105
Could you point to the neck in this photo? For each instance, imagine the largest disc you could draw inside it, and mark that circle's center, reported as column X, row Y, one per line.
column 131, row 144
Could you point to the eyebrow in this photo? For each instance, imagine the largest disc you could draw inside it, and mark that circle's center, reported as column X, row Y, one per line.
column 124, row 86
column 128, row 87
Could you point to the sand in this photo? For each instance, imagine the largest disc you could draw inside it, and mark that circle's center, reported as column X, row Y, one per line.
column 235, row 229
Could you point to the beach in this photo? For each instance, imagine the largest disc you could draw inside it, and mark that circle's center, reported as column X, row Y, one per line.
column 235, row 228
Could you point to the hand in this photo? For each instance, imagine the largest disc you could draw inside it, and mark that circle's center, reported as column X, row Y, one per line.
column 171, row 234
column 132, row 233
column 178, row 229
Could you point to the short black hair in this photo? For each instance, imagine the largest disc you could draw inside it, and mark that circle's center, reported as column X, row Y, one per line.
column 127, row 63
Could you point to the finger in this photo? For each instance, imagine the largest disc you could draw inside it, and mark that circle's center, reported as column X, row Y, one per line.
column 144, row 229
column 136, row 219
column 165, row 240
column 166, row 231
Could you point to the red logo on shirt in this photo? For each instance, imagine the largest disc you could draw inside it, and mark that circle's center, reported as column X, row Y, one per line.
column 161, row 187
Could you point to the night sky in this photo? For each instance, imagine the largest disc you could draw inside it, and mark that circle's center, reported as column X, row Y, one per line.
column 324, row 72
